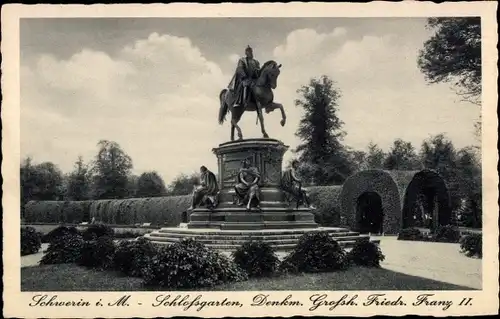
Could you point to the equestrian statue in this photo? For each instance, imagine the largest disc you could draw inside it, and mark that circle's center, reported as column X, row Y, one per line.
column 250, row 89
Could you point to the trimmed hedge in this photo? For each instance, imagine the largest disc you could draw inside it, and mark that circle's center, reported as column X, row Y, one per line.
column 410, row 234
column 257, row 258
column 96, row 231
column 71, row 212
column 58, row 232
column 31, row 241
column 97, row 253
column 132, row 257
column 189, row 264
column 326, row 201
column 472, row 245
column 447, row 234
column 366, row 253
column 376, row 181
column 315, row 252
column 157, row 210
column 63, row 250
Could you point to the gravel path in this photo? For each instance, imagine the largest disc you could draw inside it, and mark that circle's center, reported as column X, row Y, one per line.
column 437, row 261
column 34, row 259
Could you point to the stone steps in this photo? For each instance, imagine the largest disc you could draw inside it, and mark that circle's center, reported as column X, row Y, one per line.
column 263, row 232
column 222, row 241
column 252, row 237
column 281, row 240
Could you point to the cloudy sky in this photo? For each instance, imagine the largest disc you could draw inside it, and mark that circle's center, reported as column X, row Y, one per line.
column 152, row 85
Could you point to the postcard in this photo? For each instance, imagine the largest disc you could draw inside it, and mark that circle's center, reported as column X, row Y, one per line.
column 250, row 160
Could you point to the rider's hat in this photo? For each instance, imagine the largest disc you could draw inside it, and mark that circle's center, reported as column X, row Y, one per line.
column 248, row 48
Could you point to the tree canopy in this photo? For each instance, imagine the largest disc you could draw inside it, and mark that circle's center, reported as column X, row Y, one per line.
column 150, row 184
column 320, row 131
column 453, row 54
column 112, row 168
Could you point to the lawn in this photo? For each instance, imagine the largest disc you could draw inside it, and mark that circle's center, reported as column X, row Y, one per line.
column 55, row 278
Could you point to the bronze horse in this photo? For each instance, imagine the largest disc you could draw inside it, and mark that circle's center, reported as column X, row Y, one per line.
column 261, row 97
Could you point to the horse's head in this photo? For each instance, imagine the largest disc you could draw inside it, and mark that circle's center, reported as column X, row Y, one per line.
column 270, row 72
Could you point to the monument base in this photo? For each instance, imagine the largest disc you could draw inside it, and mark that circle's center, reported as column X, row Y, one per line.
column 274, row 213
column 230, row 240
column 241, row 219
column 275, row 222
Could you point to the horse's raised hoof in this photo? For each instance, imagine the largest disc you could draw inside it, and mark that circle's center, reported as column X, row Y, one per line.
column 283, row 122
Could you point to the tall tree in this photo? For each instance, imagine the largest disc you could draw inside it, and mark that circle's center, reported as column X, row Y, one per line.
column 320, row 131
column 468, row 165
column 150, row 184
column 357, row 159
column 183, row 184
column 375, row 157
column 438, row 153
column 132, row 182
column 453, row 54
column 79, row 181
column 40, row 181
column 402, row 156
column 111, row 168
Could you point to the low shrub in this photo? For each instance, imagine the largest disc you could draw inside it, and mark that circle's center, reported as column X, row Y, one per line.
column 447, row 234
column 97, row 253
column 315, row 252
column 31, row 241
column 189, row 264
column 59, row 232
column 63, row 249
column 410, row 234
column 97, row 230
column 366, row 253
column 472, row 245
column 256, row 258
column 131, row 257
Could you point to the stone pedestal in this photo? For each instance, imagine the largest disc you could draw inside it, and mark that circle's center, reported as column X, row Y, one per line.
column 275, row 212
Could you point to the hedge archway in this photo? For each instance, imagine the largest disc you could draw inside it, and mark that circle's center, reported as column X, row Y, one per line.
column 371, row 181
column 426, row 201
column 369, row 213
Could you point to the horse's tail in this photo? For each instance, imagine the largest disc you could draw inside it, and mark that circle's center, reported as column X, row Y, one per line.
column 223, row 106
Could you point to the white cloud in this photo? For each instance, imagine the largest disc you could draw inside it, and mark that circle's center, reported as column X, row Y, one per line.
column 384, row 95
column 158, row 98
column 306, row 43
column 234, row 57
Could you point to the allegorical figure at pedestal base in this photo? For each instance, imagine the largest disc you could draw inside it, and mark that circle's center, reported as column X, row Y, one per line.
column 247, row 187
column 293, row 186
column 206, row 193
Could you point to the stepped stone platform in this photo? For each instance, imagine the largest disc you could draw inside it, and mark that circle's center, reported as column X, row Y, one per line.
column 230, row 240
column 276, row 222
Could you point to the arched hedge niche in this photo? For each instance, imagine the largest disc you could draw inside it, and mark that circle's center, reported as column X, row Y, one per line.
column 369, row 213
column 371, row 203
column 426, row 203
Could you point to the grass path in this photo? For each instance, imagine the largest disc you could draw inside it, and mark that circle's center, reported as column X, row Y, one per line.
column 55, row 278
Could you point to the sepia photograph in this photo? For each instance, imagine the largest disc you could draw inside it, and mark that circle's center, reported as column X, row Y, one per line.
column 342, row 158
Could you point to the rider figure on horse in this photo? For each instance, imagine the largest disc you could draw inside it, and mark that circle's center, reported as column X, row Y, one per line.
column 247, row 72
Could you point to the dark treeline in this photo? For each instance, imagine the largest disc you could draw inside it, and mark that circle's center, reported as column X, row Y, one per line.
column 107, row 176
